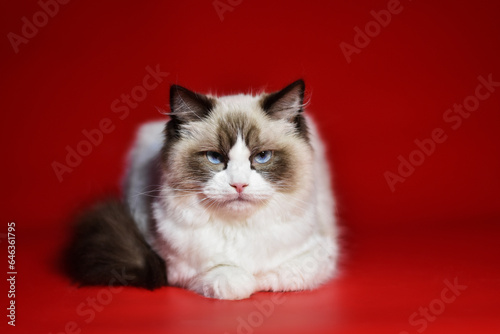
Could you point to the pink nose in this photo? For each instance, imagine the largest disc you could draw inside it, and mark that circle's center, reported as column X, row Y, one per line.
column 239, row 187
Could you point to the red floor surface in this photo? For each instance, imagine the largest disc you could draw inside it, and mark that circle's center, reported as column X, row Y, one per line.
column 437, row 280
column 407, row 97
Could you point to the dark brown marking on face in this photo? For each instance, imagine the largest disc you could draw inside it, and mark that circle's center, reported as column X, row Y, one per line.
column 197, row 170
column 172, row 136
column 279, row 170
column 185, row 106
column 301, row 127
column 231, row 126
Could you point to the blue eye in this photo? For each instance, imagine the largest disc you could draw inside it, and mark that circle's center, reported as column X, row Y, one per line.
column 214, row 157
column 263, row 157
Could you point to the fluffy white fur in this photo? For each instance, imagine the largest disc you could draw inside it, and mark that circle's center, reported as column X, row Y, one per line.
column 266, row 240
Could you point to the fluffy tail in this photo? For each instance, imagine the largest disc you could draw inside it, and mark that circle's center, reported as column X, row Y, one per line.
column 108, row 249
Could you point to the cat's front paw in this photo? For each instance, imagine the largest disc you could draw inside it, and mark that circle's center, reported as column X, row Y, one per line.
column 225, row 282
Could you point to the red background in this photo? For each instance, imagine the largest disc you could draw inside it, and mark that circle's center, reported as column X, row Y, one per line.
column 400, row 246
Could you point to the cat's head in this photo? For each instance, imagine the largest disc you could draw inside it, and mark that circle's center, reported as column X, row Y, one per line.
column 237, row 153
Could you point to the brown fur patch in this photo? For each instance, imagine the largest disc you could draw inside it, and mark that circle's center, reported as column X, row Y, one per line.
column 279, row 170
column 184, row 154
column 108, row 249
column 235, row 124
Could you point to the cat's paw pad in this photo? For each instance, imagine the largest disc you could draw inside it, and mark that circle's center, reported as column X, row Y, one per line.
column 227, row 282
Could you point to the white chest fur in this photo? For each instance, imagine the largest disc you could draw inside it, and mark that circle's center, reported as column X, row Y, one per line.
column 288, row 244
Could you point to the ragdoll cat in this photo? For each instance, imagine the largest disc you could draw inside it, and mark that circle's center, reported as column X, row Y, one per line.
column 232, row 194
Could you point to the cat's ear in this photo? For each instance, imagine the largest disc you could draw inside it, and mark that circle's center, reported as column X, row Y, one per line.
column 187, row 106
column 286, row 103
